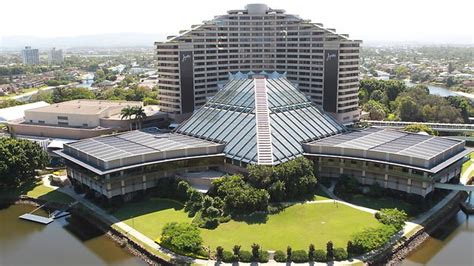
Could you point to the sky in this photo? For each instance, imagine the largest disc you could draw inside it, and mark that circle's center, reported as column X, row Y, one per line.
column 425, row 21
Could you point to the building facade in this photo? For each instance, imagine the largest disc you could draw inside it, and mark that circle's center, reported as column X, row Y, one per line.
column 30, row 56
column 79, row 119
column 55, row 57
column 193, row 65
column 262, row 120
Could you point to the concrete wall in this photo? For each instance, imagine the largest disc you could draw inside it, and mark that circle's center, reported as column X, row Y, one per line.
column 56, row 132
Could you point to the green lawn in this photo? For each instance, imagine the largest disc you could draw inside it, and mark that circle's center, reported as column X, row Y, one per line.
column 36, row 189
column 380, row 203
column 151, row 215
column 297, row 226
column 467, row 164
column 320, row 194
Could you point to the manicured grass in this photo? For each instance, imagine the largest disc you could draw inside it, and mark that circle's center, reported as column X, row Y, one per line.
column 296, row 226
column 151, row 215
column 320, row 194
column 467, row 164
column 36, row 189
column 380, row 203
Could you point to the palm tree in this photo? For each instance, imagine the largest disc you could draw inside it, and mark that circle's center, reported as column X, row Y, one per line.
column 127, row 113
column 140, row 115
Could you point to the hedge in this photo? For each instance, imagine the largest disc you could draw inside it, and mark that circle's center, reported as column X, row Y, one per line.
column 279, row 256
column 299, row 256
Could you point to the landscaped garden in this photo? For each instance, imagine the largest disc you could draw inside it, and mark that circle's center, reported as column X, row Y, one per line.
column 298, row 225
column 273, row 208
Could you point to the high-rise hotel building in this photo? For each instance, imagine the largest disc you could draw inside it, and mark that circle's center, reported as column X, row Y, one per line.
column 193, row 65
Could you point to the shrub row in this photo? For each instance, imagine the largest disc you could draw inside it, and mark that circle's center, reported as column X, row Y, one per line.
column 318, row 255
column 256, row 255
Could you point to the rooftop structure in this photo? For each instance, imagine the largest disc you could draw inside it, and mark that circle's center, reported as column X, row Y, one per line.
column 78, row 119
column 193, row 65
column 17, row 113
column 262, row 119
column 108, row 153
column 392, row 146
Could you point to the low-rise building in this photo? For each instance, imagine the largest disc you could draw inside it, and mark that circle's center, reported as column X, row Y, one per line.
column 80, row 119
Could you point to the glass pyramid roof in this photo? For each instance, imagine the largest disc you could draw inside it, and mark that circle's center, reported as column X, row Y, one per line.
column 262, row 119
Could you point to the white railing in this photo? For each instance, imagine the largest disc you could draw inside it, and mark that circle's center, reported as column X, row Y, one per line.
column 435, row 126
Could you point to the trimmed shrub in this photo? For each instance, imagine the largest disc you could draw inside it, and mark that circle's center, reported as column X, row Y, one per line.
column 288, row 252
column 245, row 256
column 320, row 255
column 350, row 249
column 311, row 250
column 228, row 257
column 236, row 250
column 219, row 251
column 279, row 256
column 340, row 254
column 263, row 256
column 299, row 256
column 330, row 250
column 255, row 250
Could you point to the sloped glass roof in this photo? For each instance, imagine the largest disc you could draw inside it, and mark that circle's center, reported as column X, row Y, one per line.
column 230, row 117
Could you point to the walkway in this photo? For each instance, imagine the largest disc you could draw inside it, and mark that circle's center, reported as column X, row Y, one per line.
column 126, row 228
column 409, row 229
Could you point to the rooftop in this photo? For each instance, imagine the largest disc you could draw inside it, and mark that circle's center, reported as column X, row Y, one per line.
column 389, row 145
column 84, row 106
column 137, row 147
column 261, row 118
column 16, row 113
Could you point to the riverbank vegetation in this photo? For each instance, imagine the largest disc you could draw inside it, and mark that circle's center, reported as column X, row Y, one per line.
column 393, row 100
column 18, row 161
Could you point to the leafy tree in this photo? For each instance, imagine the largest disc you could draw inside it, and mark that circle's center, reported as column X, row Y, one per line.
column 376, row 110
column 239, row 196
column 408, row 109
column 19, row 159
column 372, row 238
column 181, row 236
column 68, row 94
column 377, row 95
column 393, row 217
column 236, row 250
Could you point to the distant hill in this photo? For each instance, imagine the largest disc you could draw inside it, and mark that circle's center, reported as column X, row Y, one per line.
column 98, row 40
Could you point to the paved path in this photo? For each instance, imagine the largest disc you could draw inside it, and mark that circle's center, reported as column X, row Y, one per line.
column 466, row 175
column 409, row 228
column 124, row 227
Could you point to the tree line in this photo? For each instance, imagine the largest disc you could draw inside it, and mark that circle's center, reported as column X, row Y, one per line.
column 393, row 100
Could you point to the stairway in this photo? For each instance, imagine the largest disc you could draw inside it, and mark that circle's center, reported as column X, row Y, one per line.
column 262, row 118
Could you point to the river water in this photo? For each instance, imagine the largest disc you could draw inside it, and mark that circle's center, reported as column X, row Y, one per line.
column 451, row 244
column 26, row 243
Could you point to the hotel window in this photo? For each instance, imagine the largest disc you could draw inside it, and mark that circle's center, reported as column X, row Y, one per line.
column 62, row 118
column 40, row 122
column 63, row 123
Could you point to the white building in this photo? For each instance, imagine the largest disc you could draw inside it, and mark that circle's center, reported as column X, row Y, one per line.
column 55, row 57
column 30, row 56
column 324, row 64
